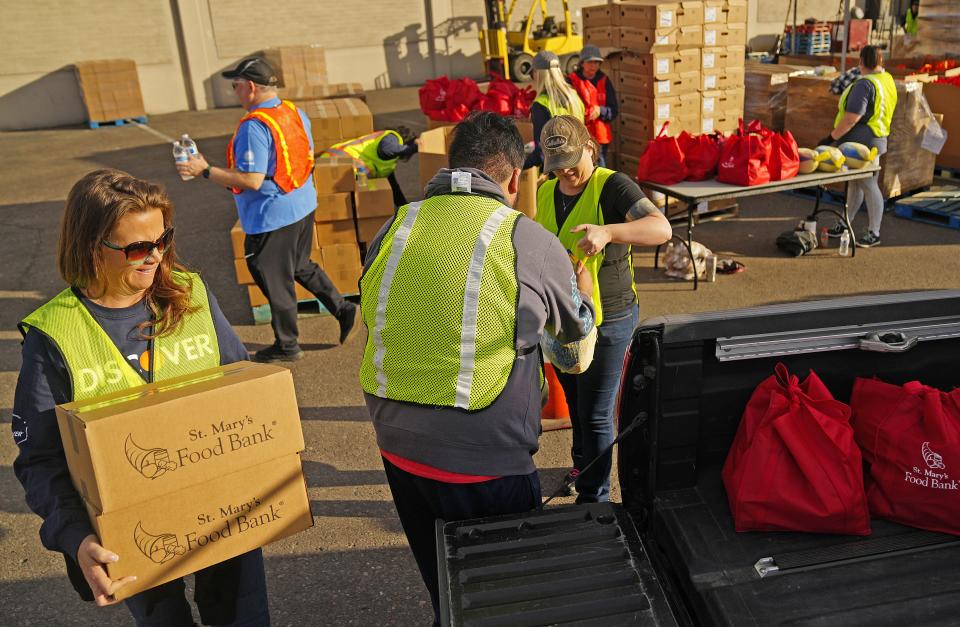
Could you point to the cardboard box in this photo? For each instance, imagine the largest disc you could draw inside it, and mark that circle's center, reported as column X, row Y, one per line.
column 324, row 122
column 131, row 446
column 110, row 89
column 599, row 16
column 434, row 146
column 728, row 78
column 298, row 65
column 526, row 202
column 713, row 12
column 338, row 232
column 667, row 85
column 333, row 174
column 376, row 200
column 661, row 64
column 945, row 98
column 333, row 207
column 346, row 280
column 243, row 272
column 716, row 102
column 725, row 35
column 369, row 227
column 602, row 37
column 258, row 298
column 765, row 96
column 355, row 117
column 341, row 262
column 237, row 237
column 661, row 109
column 182, row 532
column 723, row 122
column 644, row 41
column 322, row 92
column 656, row 14
column 735, row 12
column 720, row 57
column 629, row 162
column 636, row 130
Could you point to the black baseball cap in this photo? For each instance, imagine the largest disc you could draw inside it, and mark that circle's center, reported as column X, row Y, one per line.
column 253, row 69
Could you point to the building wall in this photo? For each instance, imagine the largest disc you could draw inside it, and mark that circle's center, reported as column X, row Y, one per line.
column 42, row 38
column 181, row 46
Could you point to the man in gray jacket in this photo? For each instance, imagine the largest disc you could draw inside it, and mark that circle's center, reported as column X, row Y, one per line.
column 457, row 293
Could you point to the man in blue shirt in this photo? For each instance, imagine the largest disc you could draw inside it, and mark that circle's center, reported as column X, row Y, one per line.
column 276, row 202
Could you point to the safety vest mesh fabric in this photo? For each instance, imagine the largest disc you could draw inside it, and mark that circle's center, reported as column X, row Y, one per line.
column 593, row 95
column 95, row 364
column 555, row 109
column 363, row 151
column 884, row 102
column 586, row 211
column 294, row 159
column 440, row 304
column 911, row 22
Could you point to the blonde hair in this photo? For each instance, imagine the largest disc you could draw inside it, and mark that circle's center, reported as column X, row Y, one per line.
column 559, row 92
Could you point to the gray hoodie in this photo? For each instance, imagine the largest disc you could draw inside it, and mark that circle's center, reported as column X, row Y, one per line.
column 501, row 439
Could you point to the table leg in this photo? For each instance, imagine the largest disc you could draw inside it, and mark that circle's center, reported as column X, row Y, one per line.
column 846, row 218
column 816, row 204
column 690, row 209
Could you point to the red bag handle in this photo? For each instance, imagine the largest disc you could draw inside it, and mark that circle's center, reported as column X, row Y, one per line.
column 784, row 378
column 741, row 130
column 663, row 129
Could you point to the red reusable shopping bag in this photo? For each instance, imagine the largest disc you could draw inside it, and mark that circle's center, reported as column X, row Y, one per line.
column 744, row 157
column 794, row 465
column 662, row 161
column 910, row 437
column 700, row 154
column 449, row 100
column 784, row 156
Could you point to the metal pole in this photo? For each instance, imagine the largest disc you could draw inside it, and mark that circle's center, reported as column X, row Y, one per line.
column 795, row 40
column 846, row 36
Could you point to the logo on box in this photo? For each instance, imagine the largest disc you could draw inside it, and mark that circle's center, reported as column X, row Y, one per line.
column 151, row 463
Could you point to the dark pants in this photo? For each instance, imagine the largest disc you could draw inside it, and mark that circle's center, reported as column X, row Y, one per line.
column 278, row 258
column 590, row 398
column 420, row 502
column 602, row 159
column 233, row 592
column 399, row 199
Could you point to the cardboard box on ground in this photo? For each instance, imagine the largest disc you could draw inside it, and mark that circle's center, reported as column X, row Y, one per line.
column 110, row 89
column 183, row 474
column 337, row 120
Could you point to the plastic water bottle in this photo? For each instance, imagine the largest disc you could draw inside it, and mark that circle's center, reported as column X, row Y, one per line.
column 189, row 144
column 361, row 179
column 181, row 155
column 844, row 244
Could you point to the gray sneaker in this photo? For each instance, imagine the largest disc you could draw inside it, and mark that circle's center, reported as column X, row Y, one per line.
column 868, row 239
column 836, row 230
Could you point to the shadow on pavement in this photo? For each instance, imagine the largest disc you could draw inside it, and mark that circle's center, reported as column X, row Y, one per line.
column 354, row 413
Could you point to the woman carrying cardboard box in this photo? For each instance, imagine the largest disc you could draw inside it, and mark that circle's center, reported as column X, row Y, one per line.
column 128, row 302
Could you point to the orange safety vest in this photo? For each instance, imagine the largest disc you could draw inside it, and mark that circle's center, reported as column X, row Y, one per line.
column 294, row 158
column 593, row 95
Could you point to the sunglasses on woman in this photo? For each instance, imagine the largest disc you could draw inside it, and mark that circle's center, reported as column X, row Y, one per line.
column 137, row 252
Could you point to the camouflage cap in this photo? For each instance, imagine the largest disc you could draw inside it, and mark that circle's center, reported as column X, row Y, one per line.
column 562, row 141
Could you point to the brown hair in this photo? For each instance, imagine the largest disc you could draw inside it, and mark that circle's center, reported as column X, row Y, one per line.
column 871, row 57
column 95, row 204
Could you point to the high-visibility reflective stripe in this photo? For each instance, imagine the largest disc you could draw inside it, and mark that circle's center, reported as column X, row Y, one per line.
column 357, row 163
column 397, row 246
column 471, row 295
column 283, row 144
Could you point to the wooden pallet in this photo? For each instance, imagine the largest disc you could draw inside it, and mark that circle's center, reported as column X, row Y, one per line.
column 939, row 206
column 118, row 122
column 307, row 308
column 679, row 216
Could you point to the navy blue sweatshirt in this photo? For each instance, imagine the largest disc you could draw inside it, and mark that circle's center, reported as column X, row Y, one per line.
column 43, row 383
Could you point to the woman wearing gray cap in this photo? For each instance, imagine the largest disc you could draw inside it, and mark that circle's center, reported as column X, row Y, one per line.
column 598, row 96
column 597, row 214
column 554, row 97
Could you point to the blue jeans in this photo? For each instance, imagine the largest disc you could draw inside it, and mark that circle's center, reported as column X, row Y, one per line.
column 233, row 592
column 590, row 398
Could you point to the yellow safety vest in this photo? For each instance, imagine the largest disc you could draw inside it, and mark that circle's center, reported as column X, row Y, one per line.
column 94, row 362
column 556, row 109
column 440, row 304
column 363, row 151
column 884, row 102
column 910, row 27
column 586, row 211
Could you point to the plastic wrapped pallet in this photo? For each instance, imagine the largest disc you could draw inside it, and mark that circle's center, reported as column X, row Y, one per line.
column 938, row 30
column 811, row 109
column 906, row 166
column 765, row 97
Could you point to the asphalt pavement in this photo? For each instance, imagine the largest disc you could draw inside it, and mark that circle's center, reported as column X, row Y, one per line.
column 353, row 566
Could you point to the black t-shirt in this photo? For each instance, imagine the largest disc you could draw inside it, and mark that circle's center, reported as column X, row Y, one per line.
column 619, row 196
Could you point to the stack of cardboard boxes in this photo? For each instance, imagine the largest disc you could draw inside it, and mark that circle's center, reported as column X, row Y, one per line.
column 336, row 120
column 183, row 474
column 110, row 89
column 346, row 219
column 302, row 72
column 679, row 62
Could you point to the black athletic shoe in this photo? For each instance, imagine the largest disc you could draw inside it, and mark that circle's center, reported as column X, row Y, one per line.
column 868, row 239
column 347, row 317
column 836, row 230
column 275, row 353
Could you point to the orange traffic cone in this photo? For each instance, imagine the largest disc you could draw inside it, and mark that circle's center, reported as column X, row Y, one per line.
column 555, row 414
